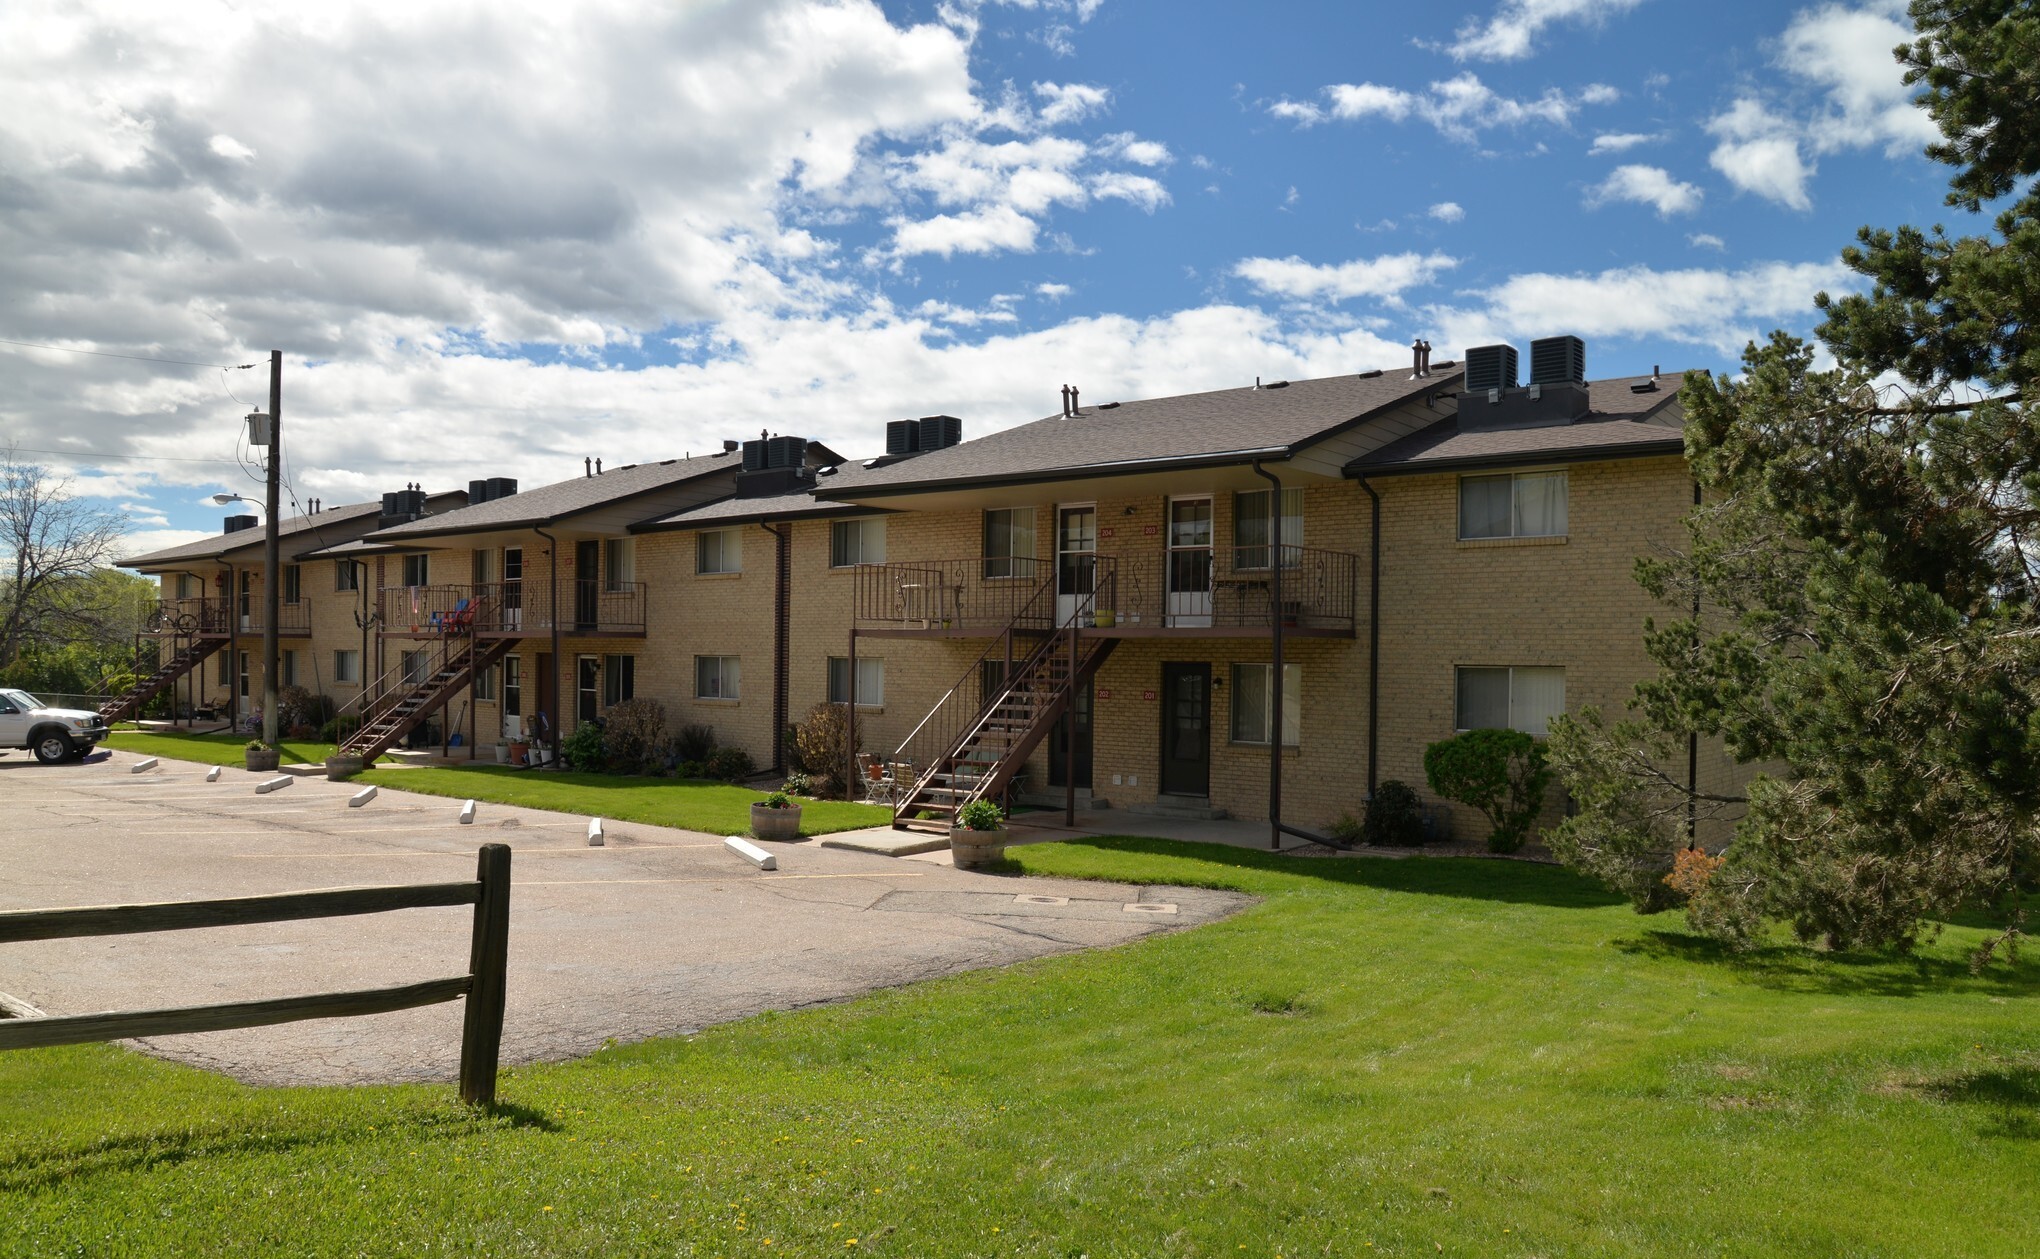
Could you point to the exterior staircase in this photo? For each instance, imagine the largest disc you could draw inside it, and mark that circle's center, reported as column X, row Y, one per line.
column 994, row 743
column 395, row 703
column 165, row 674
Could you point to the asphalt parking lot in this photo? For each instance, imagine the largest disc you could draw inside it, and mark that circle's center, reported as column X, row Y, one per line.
column 658, row 932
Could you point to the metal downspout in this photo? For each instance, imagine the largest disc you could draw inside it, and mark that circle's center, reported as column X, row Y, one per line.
column 1373, row 639
column 553, row 620
column 782, row 591
column 1275, row 558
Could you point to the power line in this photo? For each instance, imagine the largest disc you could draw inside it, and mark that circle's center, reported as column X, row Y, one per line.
column 138, row 358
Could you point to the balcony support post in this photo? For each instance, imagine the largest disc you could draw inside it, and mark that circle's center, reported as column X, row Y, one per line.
column 850, row 783
column 1373, row 636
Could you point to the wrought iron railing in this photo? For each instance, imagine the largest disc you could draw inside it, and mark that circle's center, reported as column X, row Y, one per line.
column 587, row 605
column 988, row 594
column 1230, row 588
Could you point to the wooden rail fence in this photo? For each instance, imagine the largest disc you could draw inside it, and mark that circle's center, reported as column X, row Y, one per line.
column 481, row 1038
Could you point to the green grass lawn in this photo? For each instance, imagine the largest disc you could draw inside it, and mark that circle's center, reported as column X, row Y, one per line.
column 696, row 805
column 211, row 749
column 1400, row 1058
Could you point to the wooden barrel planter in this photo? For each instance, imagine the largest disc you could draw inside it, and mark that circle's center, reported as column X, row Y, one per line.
column 263, row 762
column 344, row 765
column 973, row 850
column 770, row 823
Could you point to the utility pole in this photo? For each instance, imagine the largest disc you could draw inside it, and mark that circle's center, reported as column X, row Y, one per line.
column 272, row 558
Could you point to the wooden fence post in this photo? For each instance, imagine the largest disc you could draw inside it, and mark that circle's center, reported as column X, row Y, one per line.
column 481, row 1037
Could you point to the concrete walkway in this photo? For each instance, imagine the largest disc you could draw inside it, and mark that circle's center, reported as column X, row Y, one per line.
column 660, row 931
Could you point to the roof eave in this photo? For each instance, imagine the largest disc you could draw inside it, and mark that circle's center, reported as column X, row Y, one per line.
column 1086, row 472
column 1361, row 470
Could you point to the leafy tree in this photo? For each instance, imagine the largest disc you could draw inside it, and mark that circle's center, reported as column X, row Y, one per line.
column 1858, row 602
column 1500, row 772
column 51, row 545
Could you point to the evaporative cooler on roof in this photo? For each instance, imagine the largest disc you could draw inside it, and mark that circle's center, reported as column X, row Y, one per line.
column 785, row 452
column 902, row 437
column 1558, row 361
column 1490, row 367
column 940, row 431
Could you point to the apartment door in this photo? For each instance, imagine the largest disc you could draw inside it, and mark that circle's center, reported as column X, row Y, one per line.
column 587, row 583
column 1189, row 561
column 587, row 688
column 1076, row 559
column 1059, row 745
column 513, row 587
column 548, row 710
column 1186, row 730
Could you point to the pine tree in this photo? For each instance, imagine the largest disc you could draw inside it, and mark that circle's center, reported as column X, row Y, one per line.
column 1858, row 608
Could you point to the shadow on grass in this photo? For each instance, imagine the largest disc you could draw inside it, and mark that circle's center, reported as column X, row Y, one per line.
column 1222, row 866
column 1798, row 968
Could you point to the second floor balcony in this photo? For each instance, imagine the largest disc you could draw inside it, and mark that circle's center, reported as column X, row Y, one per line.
column 1210, row 592
column 225, row 617
column 514, row 609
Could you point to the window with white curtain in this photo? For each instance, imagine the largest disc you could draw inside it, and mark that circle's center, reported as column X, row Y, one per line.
column 1513, row 697
column 870, row 680
column 347, row 666
column 1512, row 505
column 856, row 542
column 716, row 677
column 1253, row 703
column 619, row 563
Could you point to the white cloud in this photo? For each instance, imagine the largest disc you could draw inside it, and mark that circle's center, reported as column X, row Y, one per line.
column 1070, row 102
column 1511, row 34
column 1646, row 185
column 1459, row 107
column 984, row 231
column 1448, row 212
column 1707, row 240
column 1386, row 277
column 1053, row 292
column 1127, row 147
column 1137, row 189
column 1619, row 142
column 1770, row 147
column 1721, row 310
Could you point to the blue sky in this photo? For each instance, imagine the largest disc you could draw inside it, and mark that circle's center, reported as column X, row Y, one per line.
column 493, row 239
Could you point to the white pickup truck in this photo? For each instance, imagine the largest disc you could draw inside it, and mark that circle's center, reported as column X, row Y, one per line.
column 53, row 734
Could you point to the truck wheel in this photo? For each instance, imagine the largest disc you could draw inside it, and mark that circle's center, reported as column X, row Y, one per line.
column 52, row 747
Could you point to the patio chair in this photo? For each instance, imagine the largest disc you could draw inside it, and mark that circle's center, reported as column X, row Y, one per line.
column 448, row 622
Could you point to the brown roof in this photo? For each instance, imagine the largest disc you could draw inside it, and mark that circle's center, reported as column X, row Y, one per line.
column 1623, row 424
column 549, row 503
column 1226, row 426
column 243, row 539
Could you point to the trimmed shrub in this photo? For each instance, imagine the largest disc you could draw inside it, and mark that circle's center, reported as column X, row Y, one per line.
column 729, row 765
column 632, row 734
column 583, row 749
column 1499, row 772
column 824, row 740
column 694, row 742
column 1395, row 818
column 799, row 784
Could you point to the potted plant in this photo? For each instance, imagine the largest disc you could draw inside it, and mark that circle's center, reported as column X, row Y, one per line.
column 262, row 758
column 777, row 816
column 979, row 837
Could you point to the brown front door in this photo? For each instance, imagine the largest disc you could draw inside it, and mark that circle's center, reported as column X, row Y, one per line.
column 1186, row 730
column 548, row 695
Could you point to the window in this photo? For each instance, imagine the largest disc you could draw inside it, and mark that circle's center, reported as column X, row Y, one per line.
column 1253, row 706
column 1512, row 505
column 870, row 680
column 619, row 562
column 417, row 665
column 485, row 685
column 416, row 571
column 1250, row 527
column 715, row 677
column 513, row 686
column 856, row 542
column 619, row 679
column 347, row 666
column 1518, row 698
column 482, row 567
column 719, row 551
column 345, row 575
column 1009, row 542
column 290, row 668
column 293, row 583
column 243, row 671
column 182, row 589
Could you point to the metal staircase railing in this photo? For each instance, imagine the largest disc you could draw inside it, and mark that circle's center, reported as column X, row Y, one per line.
column 162, row 674
column 393, row 704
